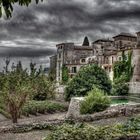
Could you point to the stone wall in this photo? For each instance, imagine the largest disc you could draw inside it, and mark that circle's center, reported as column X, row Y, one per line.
column 113, row 111
column 74, row 107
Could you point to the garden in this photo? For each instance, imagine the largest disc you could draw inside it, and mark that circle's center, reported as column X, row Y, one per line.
column 24, row 94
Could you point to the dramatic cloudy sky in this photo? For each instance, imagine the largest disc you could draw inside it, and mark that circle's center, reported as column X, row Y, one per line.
column 33, row 32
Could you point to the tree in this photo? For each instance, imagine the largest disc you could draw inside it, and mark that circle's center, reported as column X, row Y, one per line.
column 43, row 87
column 86, row 41
column 16, row 88
column 7, row 5
column 86, row 78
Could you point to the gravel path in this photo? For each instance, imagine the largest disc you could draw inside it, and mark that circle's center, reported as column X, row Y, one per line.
column 39, row 135
column 34, row 135
column 111, row 121
column 2, row 118
column 36, row 119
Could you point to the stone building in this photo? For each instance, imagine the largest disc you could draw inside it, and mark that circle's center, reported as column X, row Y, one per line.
column 124, row 42
column 106, row 54
column 108, row 51
column 53, row 64
column 71, row 56
column 134, row 85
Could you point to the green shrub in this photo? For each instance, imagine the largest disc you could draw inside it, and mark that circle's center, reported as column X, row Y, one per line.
column 82, row 132
column 120, row 86
column 34, row 107
column 132, row 126
column 65, row 75
column 95, row 101
column 88, row 132
column 85, row 79
column 44, row 89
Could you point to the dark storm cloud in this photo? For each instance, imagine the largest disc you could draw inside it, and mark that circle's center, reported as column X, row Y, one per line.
column 25, row 52
column 54, row 21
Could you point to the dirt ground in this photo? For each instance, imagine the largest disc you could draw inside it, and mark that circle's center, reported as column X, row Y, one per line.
column 34, row 135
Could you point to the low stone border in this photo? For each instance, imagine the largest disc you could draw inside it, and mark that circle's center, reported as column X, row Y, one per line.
column 129, row 138
column 19, row 128
column 111, row 112
column 118, row 97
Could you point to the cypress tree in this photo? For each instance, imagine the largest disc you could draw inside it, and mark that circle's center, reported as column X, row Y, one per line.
column 86, row 41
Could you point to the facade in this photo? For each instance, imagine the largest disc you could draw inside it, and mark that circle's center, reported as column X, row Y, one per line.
column 53, row 60
column 53, row 64
column 104, row 52
column 108, row 51
column 71, row 56
column 106, row 55
column 134, row 85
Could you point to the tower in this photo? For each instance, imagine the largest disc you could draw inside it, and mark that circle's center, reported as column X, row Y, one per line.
column 134, row 85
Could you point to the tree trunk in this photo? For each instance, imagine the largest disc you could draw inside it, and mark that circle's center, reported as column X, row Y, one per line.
column 14, row 116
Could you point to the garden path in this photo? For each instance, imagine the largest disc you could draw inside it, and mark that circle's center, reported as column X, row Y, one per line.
column 2, row 118
column 36, row 119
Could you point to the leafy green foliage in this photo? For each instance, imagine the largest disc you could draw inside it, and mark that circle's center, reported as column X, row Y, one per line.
column 88, row 132
column 52, row 75
column 132, row 126
column 124, row 67
column 95, row 101
column 15, row 89
column 83, row 132
column 123, row 72
column 65, row 76
column 7, row 5
column 44, row 89
column 86, row 78
column 120, row 86
column 18, row 86
column 34, row 107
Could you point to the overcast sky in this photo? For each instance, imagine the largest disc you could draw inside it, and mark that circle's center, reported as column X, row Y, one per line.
column 35, row 31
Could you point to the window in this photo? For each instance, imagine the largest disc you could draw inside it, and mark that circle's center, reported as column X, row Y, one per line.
column 59, row 55
column 120, row 58
column 74, row 70
column 112, row 59
column 83, row 60
column 120, row 43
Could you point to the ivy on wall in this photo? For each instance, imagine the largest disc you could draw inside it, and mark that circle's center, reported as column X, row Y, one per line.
column 123, row 71
column 65, row 74
column 124, row 67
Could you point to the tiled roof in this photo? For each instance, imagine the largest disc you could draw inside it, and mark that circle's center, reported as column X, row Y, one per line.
column 83, row 47
column 103, row 40
column 125, row 34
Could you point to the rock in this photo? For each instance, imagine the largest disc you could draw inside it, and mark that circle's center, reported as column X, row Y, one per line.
column 74, row 107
